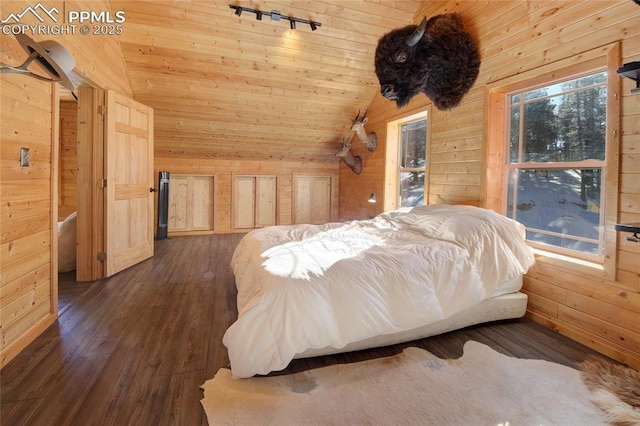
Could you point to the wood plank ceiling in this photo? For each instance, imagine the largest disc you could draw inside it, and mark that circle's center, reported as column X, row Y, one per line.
column 231, row 87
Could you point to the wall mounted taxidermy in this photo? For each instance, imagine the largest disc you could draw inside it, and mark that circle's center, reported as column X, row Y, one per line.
column 438, row 58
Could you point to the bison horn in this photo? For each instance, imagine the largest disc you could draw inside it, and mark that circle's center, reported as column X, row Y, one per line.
column 414, row 38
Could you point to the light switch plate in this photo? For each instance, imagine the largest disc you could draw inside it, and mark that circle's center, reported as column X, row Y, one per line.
column 24, row 157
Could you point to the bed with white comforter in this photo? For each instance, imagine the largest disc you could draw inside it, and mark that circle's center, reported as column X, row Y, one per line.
column 306, row 287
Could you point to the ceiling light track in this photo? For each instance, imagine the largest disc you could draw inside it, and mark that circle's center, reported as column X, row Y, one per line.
column 275, row 16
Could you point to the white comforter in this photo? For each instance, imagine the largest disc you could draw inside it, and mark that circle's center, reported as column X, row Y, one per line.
column 313, row 286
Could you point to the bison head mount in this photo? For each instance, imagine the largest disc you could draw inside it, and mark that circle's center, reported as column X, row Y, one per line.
column 438, row 58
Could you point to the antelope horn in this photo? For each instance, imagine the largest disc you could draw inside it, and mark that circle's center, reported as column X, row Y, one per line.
column 414, row 38
column 355, row 120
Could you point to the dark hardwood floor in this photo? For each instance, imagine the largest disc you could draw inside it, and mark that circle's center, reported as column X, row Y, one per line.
column 134, row 348
column 69, row 290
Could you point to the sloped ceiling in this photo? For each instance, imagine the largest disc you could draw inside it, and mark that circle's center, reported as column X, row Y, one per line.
column 231, row 87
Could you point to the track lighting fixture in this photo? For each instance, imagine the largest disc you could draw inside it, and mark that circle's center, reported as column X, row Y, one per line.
column 276, row 16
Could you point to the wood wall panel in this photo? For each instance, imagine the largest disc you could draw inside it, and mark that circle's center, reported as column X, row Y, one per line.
column 223, row 170
column 230, row 87
column 25, row 201
column 29, row 195
column 515, row 37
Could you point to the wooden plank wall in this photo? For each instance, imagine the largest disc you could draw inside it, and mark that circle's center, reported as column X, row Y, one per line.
column 26, row 221
column 28, row 195
column 68, row 161
column 222, row 171
column 220, row 83
column 517, row 36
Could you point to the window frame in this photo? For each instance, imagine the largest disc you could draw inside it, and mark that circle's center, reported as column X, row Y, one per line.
column 520, row 165
column 605, row 58
column 402, row 169
column 393, row 153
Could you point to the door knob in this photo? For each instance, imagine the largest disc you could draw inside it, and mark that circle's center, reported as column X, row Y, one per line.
column 152, row 190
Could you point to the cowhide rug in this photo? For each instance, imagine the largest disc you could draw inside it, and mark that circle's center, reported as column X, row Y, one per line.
column 483, row 387
column 614, row 388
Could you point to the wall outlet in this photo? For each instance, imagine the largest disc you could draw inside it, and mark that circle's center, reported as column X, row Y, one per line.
column 24, row 157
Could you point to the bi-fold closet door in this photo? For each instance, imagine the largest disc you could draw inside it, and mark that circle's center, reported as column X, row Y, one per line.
column 254, row 201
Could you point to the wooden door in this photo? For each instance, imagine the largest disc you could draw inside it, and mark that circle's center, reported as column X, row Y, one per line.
column 312, row 199
column 190, row 204
column 129, row 180
column 201, row 203
column 244, row 195
column 265, row 201
column 178, row 203
column 254, row 201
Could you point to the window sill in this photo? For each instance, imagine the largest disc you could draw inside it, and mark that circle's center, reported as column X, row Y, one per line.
column 579, row 266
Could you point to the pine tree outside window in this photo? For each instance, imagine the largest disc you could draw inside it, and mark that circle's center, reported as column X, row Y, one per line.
column 556, row 164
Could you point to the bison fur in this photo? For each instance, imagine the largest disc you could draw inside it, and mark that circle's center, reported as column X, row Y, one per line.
column 438, row 58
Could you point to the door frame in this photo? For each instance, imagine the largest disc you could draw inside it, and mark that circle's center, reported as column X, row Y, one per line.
column 91, row 194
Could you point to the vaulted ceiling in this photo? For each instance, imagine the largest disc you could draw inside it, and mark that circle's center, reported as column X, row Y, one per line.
column 232, row 87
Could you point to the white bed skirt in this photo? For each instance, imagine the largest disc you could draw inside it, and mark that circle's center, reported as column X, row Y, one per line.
column 508, row 306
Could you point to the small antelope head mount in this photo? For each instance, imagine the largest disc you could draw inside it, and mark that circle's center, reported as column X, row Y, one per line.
column 370, row 140
column 354, row 162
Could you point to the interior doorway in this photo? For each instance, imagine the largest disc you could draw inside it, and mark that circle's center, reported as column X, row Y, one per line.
column 104, row 194
column 67, row 203
column 77, row 202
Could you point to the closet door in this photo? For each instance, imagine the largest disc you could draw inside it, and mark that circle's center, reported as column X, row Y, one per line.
column 312, row 199
column 265, row 201
column 178, row 206
column 201, row 203
column 244, row 202
column 190, row 204
column 254, row 201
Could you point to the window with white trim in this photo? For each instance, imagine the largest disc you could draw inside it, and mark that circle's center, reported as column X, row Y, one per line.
column 556, row 165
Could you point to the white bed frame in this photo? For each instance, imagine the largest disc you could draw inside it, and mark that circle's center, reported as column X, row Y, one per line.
column 508, row 306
